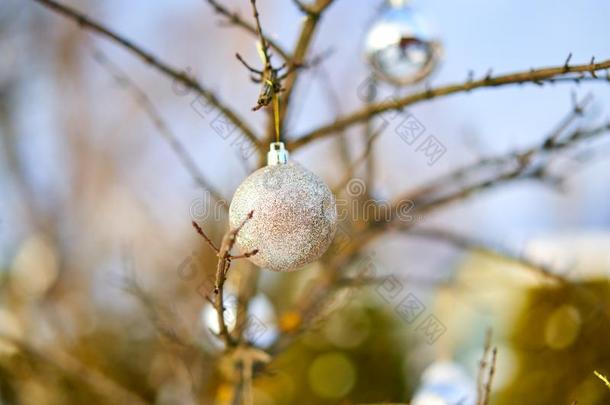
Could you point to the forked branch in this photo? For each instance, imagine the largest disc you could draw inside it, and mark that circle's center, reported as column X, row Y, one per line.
column 313, row 15
column 179, row 76
column 222, row 270
column 234, row 18
column 145, row 102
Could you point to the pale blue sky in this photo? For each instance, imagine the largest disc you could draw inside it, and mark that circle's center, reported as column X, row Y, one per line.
column 477, row 35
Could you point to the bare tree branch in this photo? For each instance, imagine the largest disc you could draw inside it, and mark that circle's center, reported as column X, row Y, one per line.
column 351, row 169
column 487, row 165
column 224, row 263
column 234, row 18
column 86, row 23
column 425, row 203
column 73, row 368
column 536, row 76
column 207, row 239
column 467, row 243
column 259, row 32
column 487, row 368
column 222, row 269
column 312, row 303
column 304, row 8
column 301, row 49
column 158, row 315
column 603, row 378
column 176, row 146
column 531, row 163
column 247, row 289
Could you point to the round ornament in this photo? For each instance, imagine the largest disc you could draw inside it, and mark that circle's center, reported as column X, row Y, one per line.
column 399, row 45
column 445, row 383
column 261, row 328
column 294, row 214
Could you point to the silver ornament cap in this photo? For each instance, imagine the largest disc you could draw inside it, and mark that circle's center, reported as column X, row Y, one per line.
column 295, row 214
column 277, row 155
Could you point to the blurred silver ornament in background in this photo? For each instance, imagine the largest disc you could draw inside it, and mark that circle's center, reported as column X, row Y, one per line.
column 294, row 214
column 445, row 383
column 261, row 328
column 399, row 45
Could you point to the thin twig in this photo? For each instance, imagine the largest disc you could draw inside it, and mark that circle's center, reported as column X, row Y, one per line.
column 245, row 255
column 536, row 75
column 153, row 113
column 335, row 100
column 465, row 242
column 246, row 290
column 244, row 358
column 351, row 169
column 104, row 386
column 259, row 31
column 222, row 269
column 269, row 77
column 458, row 177
column 234, row 18
column 427, row 203
column 370, row 136
column 490, row 377
column 483, row 367
column 487, row 368
column 87, row 23
column 312, row 305
column 515, row 166
column 528, row 167
column 201, row 232
column 602, row 377
column 301, row 49
column 157, row 314
column 304, row 8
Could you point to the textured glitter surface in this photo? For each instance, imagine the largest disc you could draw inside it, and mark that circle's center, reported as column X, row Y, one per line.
column 295, row 216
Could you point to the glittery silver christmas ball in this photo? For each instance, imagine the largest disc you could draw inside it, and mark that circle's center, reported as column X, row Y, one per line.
column 399, row 46
column 294, row 220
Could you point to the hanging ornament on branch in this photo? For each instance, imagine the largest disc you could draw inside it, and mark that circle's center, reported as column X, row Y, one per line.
column 399, row 45
column 269, row 77
column 296, row 214
column 295, row 211
column 445, row 383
